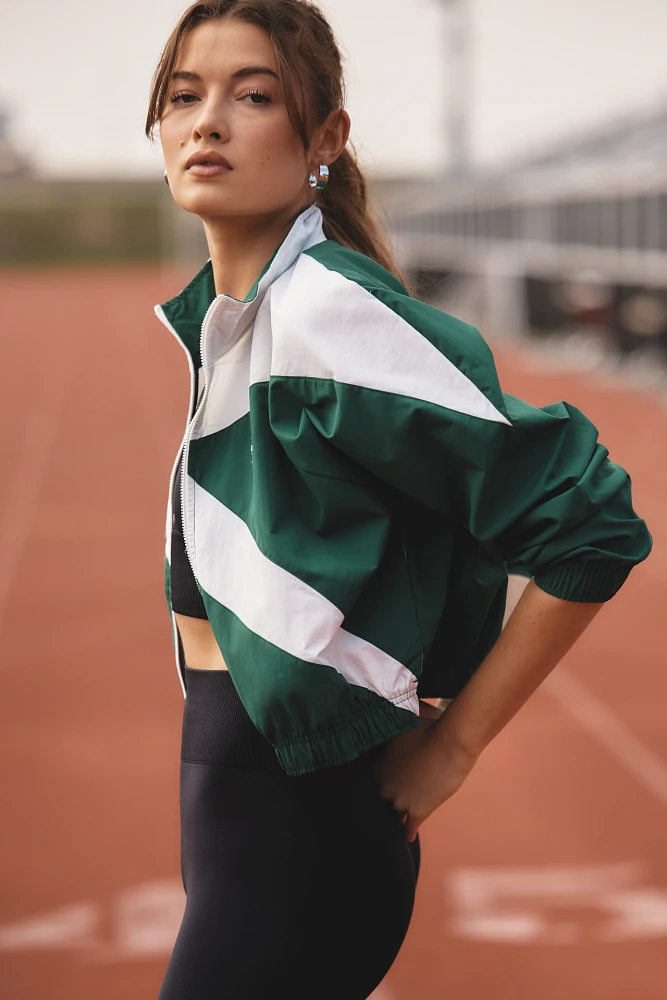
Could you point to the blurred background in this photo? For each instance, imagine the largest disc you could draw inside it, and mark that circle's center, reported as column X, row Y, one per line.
column 518, row 155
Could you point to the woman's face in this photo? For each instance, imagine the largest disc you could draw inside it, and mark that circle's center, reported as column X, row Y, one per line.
column 224, row 98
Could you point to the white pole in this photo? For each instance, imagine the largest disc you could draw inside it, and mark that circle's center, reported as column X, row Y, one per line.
column 458, row 55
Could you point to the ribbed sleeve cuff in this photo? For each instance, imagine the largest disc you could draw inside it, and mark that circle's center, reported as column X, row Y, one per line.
column 579, row 580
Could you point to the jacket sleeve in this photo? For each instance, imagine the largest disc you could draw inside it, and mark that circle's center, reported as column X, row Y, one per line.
column 554, row 506
column 533, row 485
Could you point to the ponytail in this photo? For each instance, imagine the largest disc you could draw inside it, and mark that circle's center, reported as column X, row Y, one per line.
column 347, row 218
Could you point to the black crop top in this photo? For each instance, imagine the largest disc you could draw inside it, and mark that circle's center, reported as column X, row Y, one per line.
column 186, row 598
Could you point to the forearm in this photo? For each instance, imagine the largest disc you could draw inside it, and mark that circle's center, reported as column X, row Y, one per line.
column 536, row 636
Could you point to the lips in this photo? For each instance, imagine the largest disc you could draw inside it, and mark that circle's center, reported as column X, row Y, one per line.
column 207, row 158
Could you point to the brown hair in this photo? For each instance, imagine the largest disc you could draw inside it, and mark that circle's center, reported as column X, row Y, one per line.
column 311, row 72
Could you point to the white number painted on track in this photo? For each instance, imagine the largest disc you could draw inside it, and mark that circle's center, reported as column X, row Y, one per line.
column 555, row 904
column 72, row 926
column 144, row 922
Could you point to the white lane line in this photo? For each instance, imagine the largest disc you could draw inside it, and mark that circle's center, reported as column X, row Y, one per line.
column 596, row 718
column 599, row 720
column 40, row 426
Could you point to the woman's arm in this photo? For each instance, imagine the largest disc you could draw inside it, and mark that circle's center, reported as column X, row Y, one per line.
column 537, row 635
column 423, row 768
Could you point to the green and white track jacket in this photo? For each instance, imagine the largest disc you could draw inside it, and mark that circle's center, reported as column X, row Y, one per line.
column 356, row 487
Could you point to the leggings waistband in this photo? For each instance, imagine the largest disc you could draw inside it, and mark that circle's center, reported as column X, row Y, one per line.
column 218, row 730
column 216, row 727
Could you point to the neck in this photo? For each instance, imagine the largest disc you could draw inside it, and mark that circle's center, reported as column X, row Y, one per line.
column 241, row 246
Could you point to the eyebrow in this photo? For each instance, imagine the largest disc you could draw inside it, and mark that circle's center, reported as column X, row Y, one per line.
column 184, row 74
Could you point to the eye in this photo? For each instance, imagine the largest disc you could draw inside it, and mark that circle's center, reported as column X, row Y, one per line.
column 182, row 94
column 254, row 94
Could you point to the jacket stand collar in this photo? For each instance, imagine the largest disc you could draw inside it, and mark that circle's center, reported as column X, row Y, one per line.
column 185, row 312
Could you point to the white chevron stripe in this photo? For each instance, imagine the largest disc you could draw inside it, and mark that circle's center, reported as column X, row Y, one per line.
column 246, row 362
column 327, row 326
column 313, row 322
column 284, row 610
column 228, row 392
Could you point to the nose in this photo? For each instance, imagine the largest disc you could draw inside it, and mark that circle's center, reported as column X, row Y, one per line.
column 197, row 134
column 210, row 125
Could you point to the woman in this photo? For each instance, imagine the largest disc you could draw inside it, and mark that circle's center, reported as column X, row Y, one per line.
column 352, row 488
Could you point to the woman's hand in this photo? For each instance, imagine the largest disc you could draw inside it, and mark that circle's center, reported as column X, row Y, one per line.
column 416, row 775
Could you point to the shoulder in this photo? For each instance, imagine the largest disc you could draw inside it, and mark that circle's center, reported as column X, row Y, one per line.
column 341, row 315
column 333, row 268
column 351, row 265
column 353, row 295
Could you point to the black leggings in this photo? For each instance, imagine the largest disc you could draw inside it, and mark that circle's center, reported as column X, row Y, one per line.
column 299, row 887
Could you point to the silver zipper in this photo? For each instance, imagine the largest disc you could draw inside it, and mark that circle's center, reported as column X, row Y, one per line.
column 183, row 451
column 185, row 443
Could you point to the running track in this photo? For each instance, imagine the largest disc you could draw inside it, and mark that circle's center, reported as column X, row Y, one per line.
column 544, row 877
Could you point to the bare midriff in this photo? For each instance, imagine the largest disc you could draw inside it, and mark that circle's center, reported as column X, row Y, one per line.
column 199, row 644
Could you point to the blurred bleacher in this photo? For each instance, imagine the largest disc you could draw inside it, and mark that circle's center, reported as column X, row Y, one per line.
column 571, row 242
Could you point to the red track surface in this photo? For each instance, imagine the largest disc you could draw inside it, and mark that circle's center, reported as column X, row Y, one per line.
column 545, row 876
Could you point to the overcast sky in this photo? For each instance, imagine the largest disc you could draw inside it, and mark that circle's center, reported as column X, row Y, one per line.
column 74, row 76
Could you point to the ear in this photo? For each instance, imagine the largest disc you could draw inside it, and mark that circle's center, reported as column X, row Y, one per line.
column 330, row 139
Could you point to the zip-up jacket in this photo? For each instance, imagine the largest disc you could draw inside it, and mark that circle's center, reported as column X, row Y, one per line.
column 355, row 489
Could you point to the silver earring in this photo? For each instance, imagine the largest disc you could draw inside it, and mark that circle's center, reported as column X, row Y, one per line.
column 166, row 179
column 321, row 179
